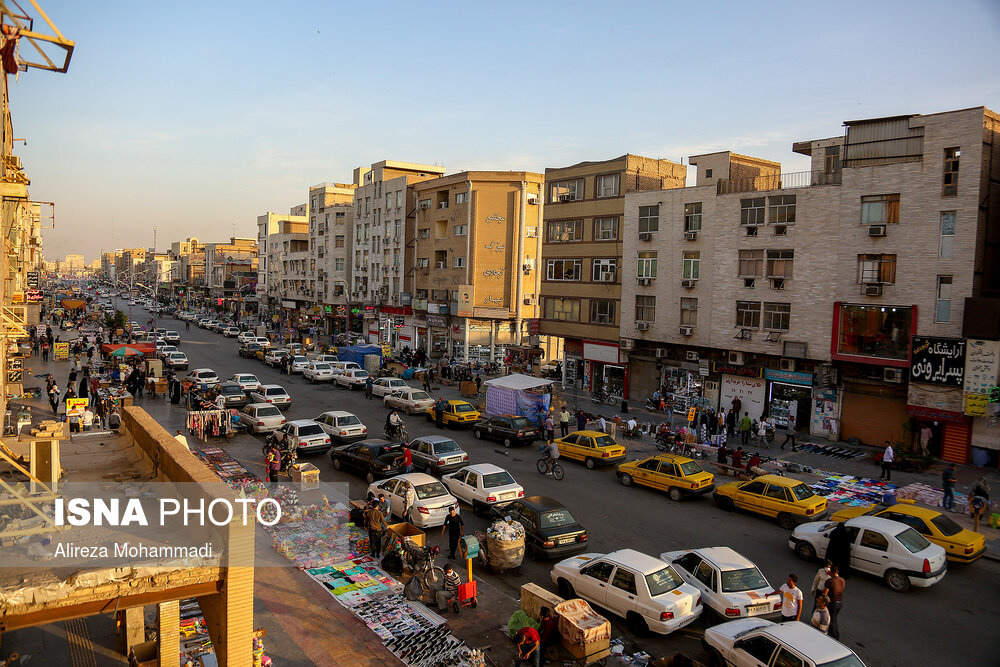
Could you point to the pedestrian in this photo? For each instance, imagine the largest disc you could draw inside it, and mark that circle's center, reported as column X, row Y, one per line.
column 925, row 440
column 273, row 464
column 439, row 413
column 821, row 616
column 409, row 498
column 550, row 428
column 730, row 424
column 819, row 581
column 427, row 380
column 528, row 649
column 385, row 506
column 375, row 523
column 407, row 460
column 456, row 528
column 789, row 431
column 948, row 480
column 887, row 458
column 736, row 405
column 581, row 420
column 45, row 350
column 72, row 377
column 745, row 426
column 368, row 387
column 838, row 549
column 479, row 385
column 180, row 437
column 791, row 599
column 563, row 422
column 762, row 434
column 602, row 424
column 54, row 397
column 449, row 588
column 835, row 586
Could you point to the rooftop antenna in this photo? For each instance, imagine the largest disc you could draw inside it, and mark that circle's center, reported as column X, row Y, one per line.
column 154, row 240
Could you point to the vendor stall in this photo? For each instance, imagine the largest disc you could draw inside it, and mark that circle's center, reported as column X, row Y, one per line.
column 519, row 394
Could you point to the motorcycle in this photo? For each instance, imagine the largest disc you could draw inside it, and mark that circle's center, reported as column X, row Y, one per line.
column 396, row 434
column 288, row 455
column 768, row 430
column 654, row 405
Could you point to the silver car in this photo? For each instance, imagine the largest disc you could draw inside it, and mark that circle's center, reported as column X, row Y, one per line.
column 263, row 417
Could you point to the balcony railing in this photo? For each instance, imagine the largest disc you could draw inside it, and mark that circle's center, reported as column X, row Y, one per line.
column 795, row 179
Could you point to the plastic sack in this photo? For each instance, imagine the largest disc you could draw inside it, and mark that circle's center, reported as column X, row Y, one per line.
column 519, row 620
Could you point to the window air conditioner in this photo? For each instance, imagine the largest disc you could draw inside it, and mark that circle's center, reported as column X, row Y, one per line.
column 423, row 206
column 661, row 352
column 688, row 283
column 645, row 236
column 626, row 343
column 876, row 230
column 643, row 281
column 529, row 301
column 642, row 326
column 531, row 232
column 565, row 197
column 873, row 289
column 691, row 355
column 532, row 198
column 894, row 375
column 440, row 265
column 787, row 365
column 735, row 358
column 690, row 236
column 686, row 331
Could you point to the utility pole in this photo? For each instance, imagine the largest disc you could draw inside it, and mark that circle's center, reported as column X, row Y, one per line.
column 154, row 240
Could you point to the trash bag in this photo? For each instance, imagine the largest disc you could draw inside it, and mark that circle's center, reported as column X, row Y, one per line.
column 392, row 564
column 519, row 620
column 414, row 589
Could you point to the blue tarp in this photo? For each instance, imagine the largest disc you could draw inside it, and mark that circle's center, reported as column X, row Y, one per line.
column 357, row 353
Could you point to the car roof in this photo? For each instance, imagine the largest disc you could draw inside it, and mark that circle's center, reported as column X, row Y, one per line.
column 724, row 558
column 202, row 370
column 272, row 386
column 456, row 402
column 541, row 503
column 672, row 458
column 887, row 526
column 239, row 375
column 593, row 434
column 303, row 422
column 230, row 385
column 912, row 510
column 261, row 405
column 434, row 438
column 778, row 480
column 339, row 413
column 642, row 563
column 482, row 468
column 416, row 478
column 807, row 640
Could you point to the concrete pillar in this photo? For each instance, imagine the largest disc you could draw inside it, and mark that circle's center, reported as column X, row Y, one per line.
column 135, row 628
column 168, row 626
column 493, row 340
column 229, row 613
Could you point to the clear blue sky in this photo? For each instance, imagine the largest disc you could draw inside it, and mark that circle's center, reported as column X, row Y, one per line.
column 198, row 116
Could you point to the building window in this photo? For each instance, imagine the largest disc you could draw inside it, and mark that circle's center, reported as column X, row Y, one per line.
column 339, row 218
column 338, row 241
column 423, row 262
column 649, row 218
column 605, row 270
column 689, row 311
column 424, row 233
column 951, row 159
column 875, row 331
column 421, row 294
column 459, row 262
column 752, row 211
column 602, row 311
column 877, row 269
column 751, row 264
column 880, row 209
column 779, row 263
column 388, row 200
column 424, row 204
column 692, row 263
column 831, row 160
column 708, row 173
column 566, row 191
column 947, row 235
column 605, row 229
column 461, row 197
column 395, row 257
column 563, row 231
column 368, row 204
column 338, row 264
column 461, row 230
column 943, row 311
column 562, row 269
column 781, row 209
column 647, row 265
column 567, row 310
column 606, row 185
column 692, row 217
column 748, row 314
column 777, row 315
column 645, row 308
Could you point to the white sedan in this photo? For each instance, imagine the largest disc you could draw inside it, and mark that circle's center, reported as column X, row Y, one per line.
column 408, row 400
column 351, row 379
column 901, row 556
column 482, row 485
column 432, row 498
column 263, row 417
column 246, row 337
column 644, row 590
column 343, row 427
column 246, row 381
column 751, row 642
column 729, row 583
column 318, row 371
column 299, row 363
column 271, row 393
column 387, row 385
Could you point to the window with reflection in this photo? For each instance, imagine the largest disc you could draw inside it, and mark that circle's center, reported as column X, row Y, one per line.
column 875, row 331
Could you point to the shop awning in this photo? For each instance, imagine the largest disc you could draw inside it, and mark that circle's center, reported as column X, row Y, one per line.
column 148, row 349
column 518, row 381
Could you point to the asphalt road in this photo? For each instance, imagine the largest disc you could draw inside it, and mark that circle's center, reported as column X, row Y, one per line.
column 954, row 622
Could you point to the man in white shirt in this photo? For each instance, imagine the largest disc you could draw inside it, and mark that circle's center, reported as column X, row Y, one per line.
column 887, row 458
column 181, row 438
column 220, row 401
column 87, row 419
column 791, row 599
column 602, row 424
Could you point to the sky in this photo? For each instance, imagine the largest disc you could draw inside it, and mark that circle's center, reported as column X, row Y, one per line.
column 196, row 117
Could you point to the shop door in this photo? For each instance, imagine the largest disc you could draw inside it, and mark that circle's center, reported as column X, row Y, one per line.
column 614, row 380
column 873, row 419
column 955, row 443
column 643, row 380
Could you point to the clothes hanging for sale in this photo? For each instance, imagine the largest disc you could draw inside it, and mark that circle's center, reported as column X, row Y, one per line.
column 205, row 423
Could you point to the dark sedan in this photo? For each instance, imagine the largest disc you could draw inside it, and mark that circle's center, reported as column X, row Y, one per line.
column 550, row 530
column 249, row 350
column 509, row 429
column 373, row 458
column 235, row 396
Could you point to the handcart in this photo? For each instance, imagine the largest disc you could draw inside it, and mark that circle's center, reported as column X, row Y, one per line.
column 585, row 634
column 499, row 556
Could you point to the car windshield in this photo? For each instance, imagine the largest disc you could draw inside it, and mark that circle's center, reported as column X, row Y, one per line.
column 310, row 429
column 847, row 661
column 663, row 581
column 299, row 359
column 913, row 541
column 495, row 479
column 605, row 441
column 177, row 355
column 321, row 367
column 520, row 422
column 348, row 421
column 691, row 468
column 418, row 395
column 946, row 525
column 275, row 391
column 747, row 579
column 268, row 412
column 430, row 490
column 360, row 374
column 464, row 407
column 446, row 447
column 247, row 378
column 801, row 492
column 555, row 518
column 232, row 391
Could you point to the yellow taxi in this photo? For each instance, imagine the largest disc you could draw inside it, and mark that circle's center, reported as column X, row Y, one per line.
column 456, row 413
column 960, row 544
column 261, row 353
column 594, row 448
column 679, row 476
column 789, row 500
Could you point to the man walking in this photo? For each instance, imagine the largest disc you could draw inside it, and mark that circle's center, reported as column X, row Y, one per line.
column 273, row 464
column 455, row 527
column 789, row 431
column 581, row 420
column 375, row 522
column 439, row 413
column 835, row 591
column 368, row 387
column 550, row 428
column 409, row 497
column 887, row 458
column 602, row 424
column 948, row 480
column 563, row 422
column 745, row 428
column 791, row 599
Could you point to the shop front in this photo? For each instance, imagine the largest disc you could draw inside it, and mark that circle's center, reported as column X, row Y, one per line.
column 683, row 386
column 952, row 432
column 825, row 417
column 982, row 400
column 745, row 383
column 873, row 411
column 788, row 393
column 605, row 368
column 439, row 334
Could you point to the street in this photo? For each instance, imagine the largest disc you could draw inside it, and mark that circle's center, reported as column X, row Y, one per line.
column 953, row 622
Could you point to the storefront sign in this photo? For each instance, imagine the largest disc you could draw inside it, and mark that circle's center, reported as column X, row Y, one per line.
column 60, row 351
column 76, row 406
column 609, row 354
column 534, row 326
column 436, row 321
column 938, row 361
column 405, row 299
column 788, row 376
column 933, row 414
column 438, row 308
column 31, row 279
column 466, row 297
column 420, row 304
column 33, row 295
column 981, row 365
column 976, row 405
column 742, row 371
column 492, row 313
column 288, row 304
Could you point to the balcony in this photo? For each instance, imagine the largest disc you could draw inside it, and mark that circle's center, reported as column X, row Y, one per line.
column 795, row 179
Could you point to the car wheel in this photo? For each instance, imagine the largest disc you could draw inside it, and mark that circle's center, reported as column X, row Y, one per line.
column 531, row 552
column 507, row 443
column 715, row 658
column 726, row 504
column 406, row 410
column 675, row 494
column 786, row 521
column 805, row 551
column 566, row 591
column 897, row 581
column 337, row 465
column 627, row 480
column 370, row 478
column 590, row 463
column 636, row 623
column 477, row 434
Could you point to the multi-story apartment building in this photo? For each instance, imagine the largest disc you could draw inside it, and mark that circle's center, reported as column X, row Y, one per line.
column 270, row 228
column 282, row 278
column 475, row 278
column 582, row 251
column 802, row 293
column 109, row 264
column 383, row 222
column 331, row 233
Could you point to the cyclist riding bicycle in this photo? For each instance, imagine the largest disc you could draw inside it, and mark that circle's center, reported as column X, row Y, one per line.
column 394, row 425
column 551, row 456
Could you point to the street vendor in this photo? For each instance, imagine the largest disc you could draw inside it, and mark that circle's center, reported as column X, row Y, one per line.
column 528, row 650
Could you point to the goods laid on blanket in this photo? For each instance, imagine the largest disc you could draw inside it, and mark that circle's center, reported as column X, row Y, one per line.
column 195, row 641
column 853, row 491
column 229, row 469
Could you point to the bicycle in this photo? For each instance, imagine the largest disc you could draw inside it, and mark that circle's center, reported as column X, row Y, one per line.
column 599, row 397
column 543, row 467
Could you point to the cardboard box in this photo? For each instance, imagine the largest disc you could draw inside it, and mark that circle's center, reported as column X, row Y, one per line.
column 534, row 597
column 306, row 475
column 407, row 529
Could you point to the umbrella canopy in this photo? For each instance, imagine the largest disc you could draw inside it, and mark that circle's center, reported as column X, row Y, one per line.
column 126, row 351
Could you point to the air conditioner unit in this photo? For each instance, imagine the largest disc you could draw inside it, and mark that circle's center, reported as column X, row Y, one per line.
column 529, row 301
column 423, row 206
column 607, row 277
column 690, row 236
column 645, row 236
column 688, row 283
column 735, row 358
column 876, row 230
column 626, row 343
column 443, row 204
column 661, row 352
column 532, row 198
column 644, row 281
column 440, row 265
column 531, row 232
column 565, row 197
column 691, row 355
column 686, row 331
column 787, row 365
column 642, row 326
column 894, row 375
column 873, row 289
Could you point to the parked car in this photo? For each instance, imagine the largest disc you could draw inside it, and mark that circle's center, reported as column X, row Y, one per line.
column 249, row 350
column 271, row 393
column 373, row 459
column 303, row 435
column 509, row 429
column 645, row 591
column 163, row 350
column 437, row 454
column 246, row 337
column 177, row 360
column 787, row 499
column 296, row 348
column 172, row 337
column 432, row 498
column 594, row 448
column 888, row 549
column 751, row 642
column 275, row 357
column 318, row 371
column 246, row 381
column 408, row 400
column 678, row 475
column 352, row 379
column 235, row 396
column 387, row 385
column 328, row 358
column 343, row 427
column 201, row 376
column 299, row 363
column 263, row 417
column 731, row 586
column 344, row 366
column 550, row 530
column 482, row 485
column 263, row 341
column 456, row 413
column 231, row 332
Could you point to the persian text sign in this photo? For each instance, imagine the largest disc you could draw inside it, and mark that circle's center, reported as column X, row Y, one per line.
column 938, row 361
